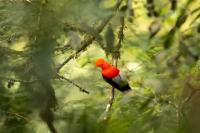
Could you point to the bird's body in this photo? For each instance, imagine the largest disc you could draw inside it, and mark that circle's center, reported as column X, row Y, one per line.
column 113, row 76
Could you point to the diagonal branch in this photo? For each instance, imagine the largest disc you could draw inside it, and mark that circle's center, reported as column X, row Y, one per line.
column 88, row 39
column 18, row 115
column 68, row 80
column 187, row 99
column 13, row 52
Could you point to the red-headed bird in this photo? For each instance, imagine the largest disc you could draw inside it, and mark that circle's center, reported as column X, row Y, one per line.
column 112, row 75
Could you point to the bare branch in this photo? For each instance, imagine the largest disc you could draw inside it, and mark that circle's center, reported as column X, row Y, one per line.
column 63, row 48
column 112, row 94
column 19, row 115
column 115, row 57
column 70, row 81
column 187, row 99
column 17, row 80
column 36, row 80
column 110, row 103
column 195, row 10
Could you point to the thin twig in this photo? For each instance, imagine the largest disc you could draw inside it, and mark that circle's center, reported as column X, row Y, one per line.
column 18, row 115
column 187, row 99
column 17, row 80
column 85, row 42
column 195, row 10
column 63, row 48
column 70, row 81
column 36, row 80
column 195, row 19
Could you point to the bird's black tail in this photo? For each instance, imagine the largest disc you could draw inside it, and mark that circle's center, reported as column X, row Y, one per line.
column 125, row 88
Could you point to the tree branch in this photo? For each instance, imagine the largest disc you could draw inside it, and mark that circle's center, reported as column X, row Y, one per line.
column 110, row 103
column 18, row 115
column 187, row 99
column 112, row 94
column 88, row 39
column 68, row 80
column 18, row 80
column 116, row 53
column 115, row 57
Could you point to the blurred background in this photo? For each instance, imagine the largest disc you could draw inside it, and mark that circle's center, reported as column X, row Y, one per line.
column 49, row 82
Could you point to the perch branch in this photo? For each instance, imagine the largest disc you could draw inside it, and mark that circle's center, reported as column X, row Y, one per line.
column 112, row 94
column 115, row 57
column 110, row 103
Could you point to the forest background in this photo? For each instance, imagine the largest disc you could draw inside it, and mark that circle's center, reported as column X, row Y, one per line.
column 49, row 82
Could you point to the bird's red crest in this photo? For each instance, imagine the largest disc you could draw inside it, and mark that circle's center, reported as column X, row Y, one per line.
column 108, row 70
column 99, row 62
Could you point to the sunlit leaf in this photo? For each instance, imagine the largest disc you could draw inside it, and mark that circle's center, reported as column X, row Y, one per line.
column 154, row 28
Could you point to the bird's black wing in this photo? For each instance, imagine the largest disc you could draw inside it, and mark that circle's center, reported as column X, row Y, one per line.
column 115, row 82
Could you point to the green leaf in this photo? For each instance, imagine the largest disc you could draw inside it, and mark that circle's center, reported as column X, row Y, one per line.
column 198, row 28
column 110, row 39
column 131, row 12
column 75, row 40
column 90, row 30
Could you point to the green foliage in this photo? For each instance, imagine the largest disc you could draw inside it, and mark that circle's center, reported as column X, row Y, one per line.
column 48, row 50
column 110, row 38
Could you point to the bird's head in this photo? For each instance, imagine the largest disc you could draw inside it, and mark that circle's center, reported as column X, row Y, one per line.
column 102, row 63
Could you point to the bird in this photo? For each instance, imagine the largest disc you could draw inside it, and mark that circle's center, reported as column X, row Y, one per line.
column 113, row 76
